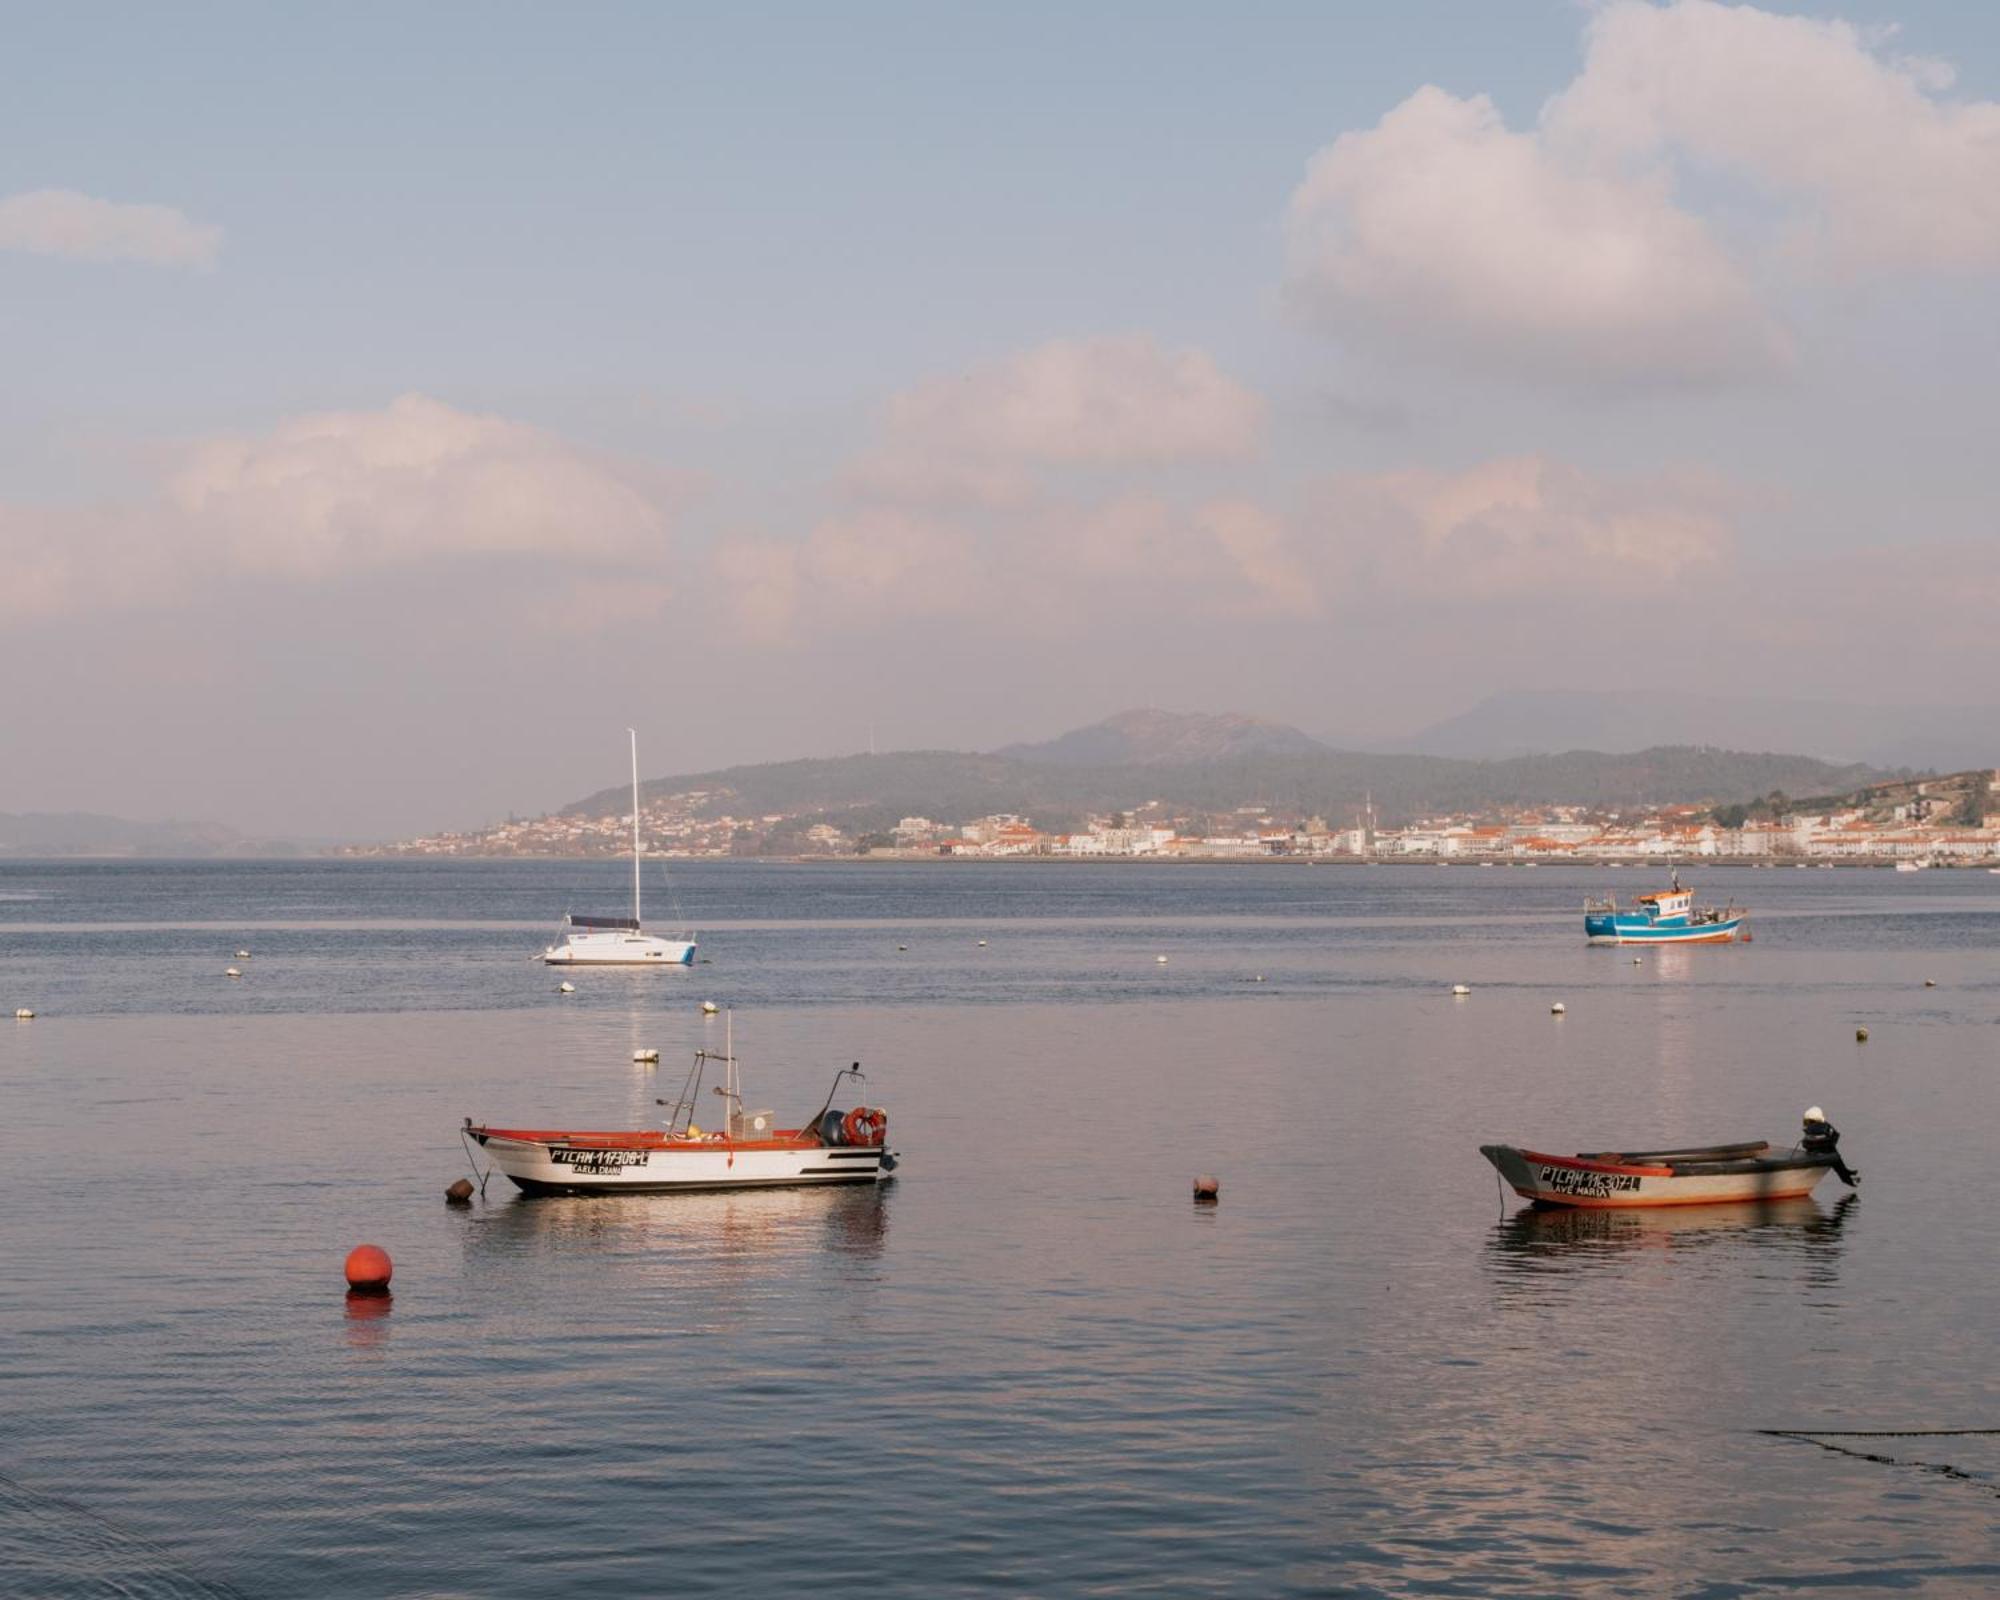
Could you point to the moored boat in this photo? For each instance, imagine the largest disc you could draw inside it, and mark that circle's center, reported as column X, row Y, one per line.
column 1667, row 917
column 1693, row 1175
column 750, row 1152
column 619, row 941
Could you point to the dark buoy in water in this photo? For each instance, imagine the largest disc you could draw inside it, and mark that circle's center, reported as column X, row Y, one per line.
column 1207, row 1189
column 369, row 1269
column 459, row 1194
column 1860, row 1035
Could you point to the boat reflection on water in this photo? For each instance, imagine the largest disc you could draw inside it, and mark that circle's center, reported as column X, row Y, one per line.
column 1535, row 1246
column 713, row 1231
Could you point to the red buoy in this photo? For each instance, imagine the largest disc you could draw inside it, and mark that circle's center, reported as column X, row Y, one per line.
column 368, row 1269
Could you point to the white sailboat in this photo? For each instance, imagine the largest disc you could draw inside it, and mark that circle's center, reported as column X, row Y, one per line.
column 619, row 941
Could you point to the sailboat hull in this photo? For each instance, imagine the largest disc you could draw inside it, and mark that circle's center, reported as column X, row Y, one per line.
column 619, row 941
column 620, row 950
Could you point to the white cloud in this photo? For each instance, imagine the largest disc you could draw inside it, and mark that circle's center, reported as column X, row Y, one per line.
column 1518, row 528
column 1111, row 401
column 419, row 480
column 1441, row 229
column 1137, row 552
column 1517, row 533
column 343, row 494
column 953, row 511
column 62, row 222
column 1859, row 146
column 1591, row 247
column 858, row 568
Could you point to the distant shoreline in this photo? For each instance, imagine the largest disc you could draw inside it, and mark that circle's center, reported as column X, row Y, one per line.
column 877, row 858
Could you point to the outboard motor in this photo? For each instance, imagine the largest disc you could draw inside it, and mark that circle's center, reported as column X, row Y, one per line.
column 1822, row 1138
column 830, row 1130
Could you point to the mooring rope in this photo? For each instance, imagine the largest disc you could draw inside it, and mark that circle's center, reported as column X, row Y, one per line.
column 474, row 1164
column 1824, row 1439
column 1874, row 1433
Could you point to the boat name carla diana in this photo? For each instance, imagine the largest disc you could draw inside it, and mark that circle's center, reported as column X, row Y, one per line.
column 1668, row 917
column 1691, row 1176
column 753, row 1153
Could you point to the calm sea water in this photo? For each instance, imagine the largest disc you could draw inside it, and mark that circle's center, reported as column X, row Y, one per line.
column 1030, row 1366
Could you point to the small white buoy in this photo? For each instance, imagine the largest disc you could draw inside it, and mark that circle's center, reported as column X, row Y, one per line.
column 982, row 944
column 243, row 955
column 1161, row 959
column 1258, row 979
column 23, row 1014
column 709, row 1008
column 1635, row 961
column 1558, row 1009
column 1930, row 983
column 565, row 987
column 646, row 1055
column 902, row 947
column 1461, row 989
column 232, row 972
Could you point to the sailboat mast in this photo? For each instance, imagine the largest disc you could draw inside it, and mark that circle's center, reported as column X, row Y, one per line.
column 636, row 918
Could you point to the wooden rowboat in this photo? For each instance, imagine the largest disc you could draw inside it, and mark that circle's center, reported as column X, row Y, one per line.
column 1697, row 1175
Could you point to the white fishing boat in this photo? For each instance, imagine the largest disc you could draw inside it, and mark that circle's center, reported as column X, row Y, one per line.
column 1689, row 1176
column 620, row 941
column 750, row 1151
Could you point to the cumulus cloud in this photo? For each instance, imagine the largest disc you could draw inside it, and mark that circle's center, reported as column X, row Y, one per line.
column 961, row 505
column 1577, row 249
column 1112, row 401
column 1517, row 532
column 859, row 568
column 345, row 491
column 1136, row 551
column 1518, row 527
column 344, row 494
column 62, row 222
column 1442, row 229
column 1861, row 147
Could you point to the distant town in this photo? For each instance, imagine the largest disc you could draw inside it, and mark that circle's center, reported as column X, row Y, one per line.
column 1937, row 821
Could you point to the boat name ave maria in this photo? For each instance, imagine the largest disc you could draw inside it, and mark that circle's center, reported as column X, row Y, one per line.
column 1751, row 1171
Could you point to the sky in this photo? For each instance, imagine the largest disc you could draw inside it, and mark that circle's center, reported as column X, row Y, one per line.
column 397, row 403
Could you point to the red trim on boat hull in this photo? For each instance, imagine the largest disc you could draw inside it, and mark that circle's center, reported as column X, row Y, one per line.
column 1647, row 1203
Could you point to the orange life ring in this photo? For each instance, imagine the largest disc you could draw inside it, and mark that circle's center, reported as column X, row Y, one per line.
column 865, row 1125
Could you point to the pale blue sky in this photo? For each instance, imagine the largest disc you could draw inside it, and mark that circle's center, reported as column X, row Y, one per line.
column 712, row 246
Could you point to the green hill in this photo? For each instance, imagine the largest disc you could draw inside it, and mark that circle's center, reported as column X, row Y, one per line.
column 870, row 792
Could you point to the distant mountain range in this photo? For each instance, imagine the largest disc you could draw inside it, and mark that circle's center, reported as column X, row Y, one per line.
column 1524, row 722
column 1166, row 738
column 80, row 833
column 1216, row 765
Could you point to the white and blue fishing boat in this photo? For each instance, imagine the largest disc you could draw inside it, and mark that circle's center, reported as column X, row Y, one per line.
column 1667, row 917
